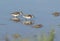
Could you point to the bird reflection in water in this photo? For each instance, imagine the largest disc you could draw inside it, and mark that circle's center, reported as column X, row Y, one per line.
column 16, row 19
column 56, row 13
column 27, row 22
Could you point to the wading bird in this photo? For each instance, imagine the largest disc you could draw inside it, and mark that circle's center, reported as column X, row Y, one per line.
column 15, row 14
column 38, row 26
column 27, row 16
column 56, row 13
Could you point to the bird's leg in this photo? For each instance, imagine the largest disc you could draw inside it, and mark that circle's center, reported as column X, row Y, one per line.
column 25, row 19
column 15, row 17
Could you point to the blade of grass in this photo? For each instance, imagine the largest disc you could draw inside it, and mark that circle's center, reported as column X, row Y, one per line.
column 43, row 37
column 51, row 36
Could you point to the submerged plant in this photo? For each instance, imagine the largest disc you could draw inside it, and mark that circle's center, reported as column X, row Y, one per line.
column 42, row 37
column 17, row 37
column 6, row 37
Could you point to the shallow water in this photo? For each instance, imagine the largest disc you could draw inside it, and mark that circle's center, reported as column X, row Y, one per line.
column 41, row 9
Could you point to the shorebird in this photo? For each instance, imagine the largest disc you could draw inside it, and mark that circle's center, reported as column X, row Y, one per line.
column 15, row 19
column 15, row 14
column 56, row 13
column 38, row 26
column 27, row 16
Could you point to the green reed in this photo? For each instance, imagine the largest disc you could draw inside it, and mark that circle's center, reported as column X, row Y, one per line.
column 43, row 37
column 50, row 37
